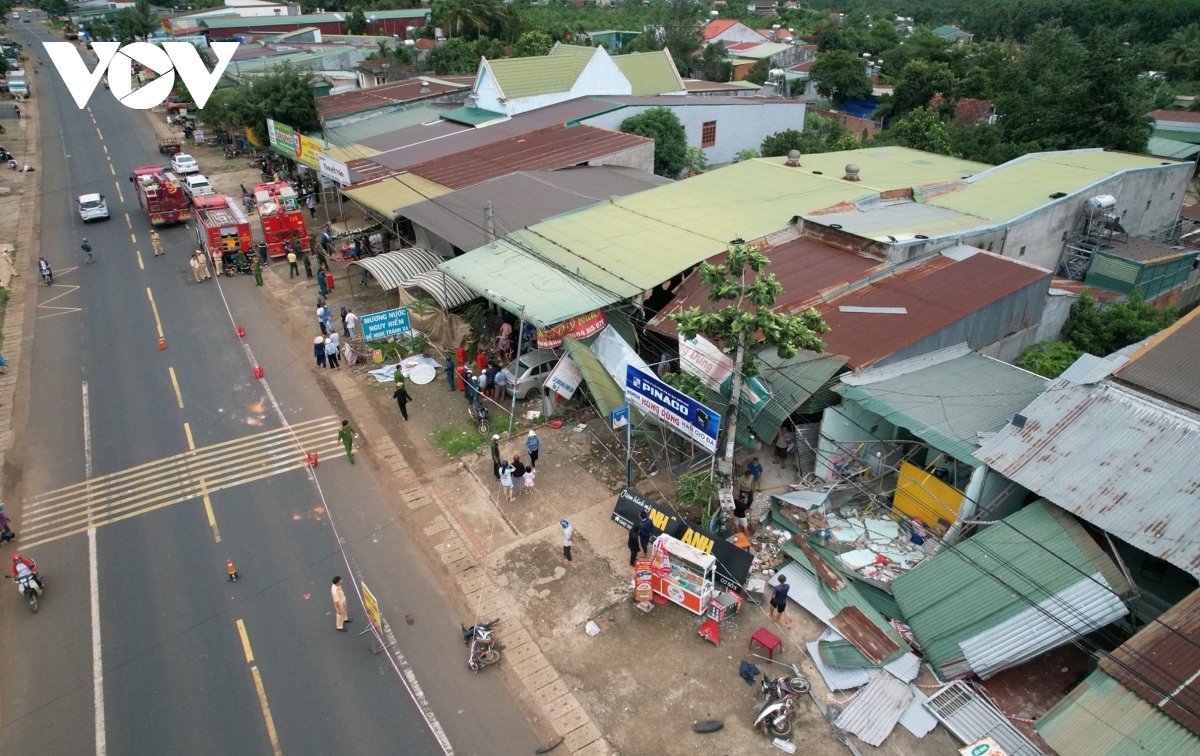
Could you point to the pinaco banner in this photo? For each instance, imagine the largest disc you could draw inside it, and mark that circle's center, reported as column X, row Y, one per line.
column 287, row 142
column 578, row 327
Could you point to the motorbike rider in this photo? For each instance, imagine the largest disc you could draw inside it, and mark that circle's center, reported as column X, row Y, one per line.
column 22, row 567
column 44, row 269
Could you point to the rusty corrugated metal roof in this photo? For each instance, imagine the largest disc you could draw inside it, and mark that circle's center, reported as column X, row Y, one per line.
column 388, row 95
column 1162, row 663
column 1114, row 457
column 545, row 150
column 936, row 293
column 1169, row 365
column 804, row 267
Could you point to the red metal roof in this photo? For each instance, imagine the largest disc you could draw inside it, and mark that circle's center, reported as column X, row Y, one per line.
column 804, row 267
column 936, row 293
column 1162, row 663
column 1179, row 116
column 739, row 46
column 394, row 93
column 546, row 150
column 719, row 26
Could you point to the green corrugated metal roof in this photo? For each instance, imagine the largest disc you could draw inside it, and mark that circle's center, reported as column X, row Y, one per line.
column 948, row 403
column 884, row 602
column 994, row 576
column 1192, row 137
column 1101, row 717
column 605, row 391
column 358, row 131
column 843, row 653
column 720, row 404
column 542, row 74
column 1020, row 186
column 471, row 116
column 1172, row 148
column 946, row 30
column 382, row 15
column 650, row 73
column 792, row 383
column 682, row 223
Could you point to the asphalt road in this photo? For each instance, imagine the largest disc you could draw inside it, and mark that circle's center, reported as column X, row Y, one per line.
column 174, row 671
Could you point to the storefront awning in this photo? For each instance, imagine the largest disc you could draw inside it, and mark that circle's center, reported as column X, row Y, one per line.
column 387, row 196
column 395, row 269
column 447, row 292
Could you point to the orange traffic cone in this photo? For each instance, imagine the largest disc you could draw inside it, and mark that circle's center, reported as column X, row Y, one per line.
column 233, row 574
column 162, row 344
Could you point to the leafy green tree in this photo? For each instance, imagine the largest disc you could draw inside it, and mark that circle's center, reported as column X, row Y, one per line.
column 840, row 75
column 985, row 143
column 922, row 129
column 468, row 18
column 136, row 22
column 357, row 23
column 830, row 37
column 285, row 94
column 53, row 8
column 746, row 154
column 1103, row 331
column 1048, row 358
column 670, row 143
column 533, row 43
column 819, row 135
column 748, row 294
column 759, row 72
column 883, row 37
column 697, row 161
column 919, row 82
column 715, row 64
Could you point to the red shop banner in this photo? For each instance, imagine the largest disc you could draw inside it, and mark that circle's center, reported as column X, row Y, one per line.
column 578, row 327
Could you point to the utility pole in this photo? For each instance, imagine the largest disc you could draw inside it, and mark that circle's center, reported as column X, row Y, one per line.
column 489, row 217
column 725, row 467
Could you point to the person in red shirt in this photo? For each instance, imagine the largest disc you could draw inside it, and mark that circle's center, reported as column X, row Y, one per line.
column 19, row 560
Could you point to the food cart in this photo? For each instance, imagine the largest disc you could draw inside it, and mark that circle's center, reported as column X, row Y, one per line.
column 683, row 574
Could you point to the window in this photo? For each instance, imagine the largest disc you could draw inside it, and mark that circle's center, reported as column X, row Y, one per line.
column 1021, row 253
column 708, row 134
column 1148, row 204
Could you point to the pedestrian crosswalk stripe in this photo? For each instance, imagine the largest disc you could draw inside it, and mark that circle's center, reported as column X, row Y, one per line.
column 182, row 477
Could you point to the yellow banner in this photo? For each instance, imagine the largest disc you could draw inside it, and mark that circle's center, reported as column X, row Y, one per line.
column 372, row 607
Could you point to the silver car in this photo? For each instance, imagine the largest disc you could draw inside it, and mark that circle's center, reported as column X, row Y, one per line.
column 525, row 375
column 92, row 207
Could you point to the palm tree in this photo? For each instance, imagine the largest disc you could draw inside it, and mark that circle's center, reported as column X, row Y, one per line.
column 477, row 15
column 136, row 22
column 1182, row 49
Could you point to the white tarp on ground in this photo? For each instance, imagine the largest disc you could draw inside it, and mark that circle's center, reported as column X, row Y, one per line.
column 384, row 374
column 616, row 355
column 873, row 714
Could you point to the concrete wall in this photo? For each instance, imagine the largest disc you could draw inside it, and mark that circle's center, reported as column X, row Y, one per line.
column 1038, row 238
column 640, row 157
column 739, row 127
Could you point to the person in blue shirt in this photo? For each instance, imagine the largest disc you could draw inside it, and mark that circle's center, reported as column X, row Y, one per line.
column 755, row 470
column 779, row 598
column 645, row 530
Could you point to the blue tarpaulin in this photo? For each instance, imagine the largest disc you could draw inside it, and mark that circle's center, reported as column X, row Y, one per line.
column 858, row 108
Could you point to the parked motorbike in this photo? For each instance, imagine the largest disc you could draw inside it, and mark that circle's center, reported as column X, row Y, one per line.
column 482, row 640
column 479, row 416
column 31, row 587
column 232, row 152
column 775, row 717
column 48, row 276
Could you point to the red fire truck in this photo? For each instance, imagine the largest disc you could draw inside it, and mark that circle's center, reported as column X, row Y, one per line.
column 160, row 195
column 282, row 217
column 221, row 226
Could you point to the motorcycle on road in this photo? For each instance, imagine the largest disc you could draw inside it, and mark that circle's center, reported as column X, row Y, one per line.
column 481, row 637
column 30, row 587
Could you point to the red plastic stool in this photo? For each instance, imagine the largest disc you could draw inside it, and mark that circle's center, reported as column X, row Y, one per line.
column 767, row 640
column 708, row 631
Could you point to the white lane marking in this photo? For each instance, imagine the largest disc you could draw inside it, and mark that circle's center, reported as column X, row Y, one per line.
column 399, row 663
column 94, row 584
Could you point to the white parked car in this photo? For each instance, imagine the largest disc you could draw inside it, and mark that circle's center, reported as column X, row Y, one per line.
column 182, row 162
column 526, row 375
column 92, row 207
column 196, row 185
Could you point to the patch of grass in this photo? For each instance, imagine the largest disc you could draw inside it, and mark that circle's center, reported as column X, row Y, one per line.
column 458, row 441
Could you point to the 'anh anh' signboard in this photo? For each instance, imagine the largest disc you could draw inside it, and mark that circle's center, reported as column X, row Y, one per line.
column 380, row 325
column 686, row 416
